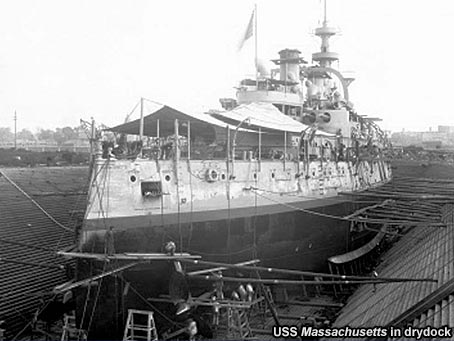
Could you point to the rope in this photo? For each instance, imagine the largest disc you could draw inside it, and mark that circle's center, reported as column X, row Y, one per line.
column 191, row 227
column 74, row 216
column 96, row 300
column 297, row 208
column 100, row 196
column 87, row 298
column 221, row 254
column 33, row 320
column 47, row 214
column 324, row 215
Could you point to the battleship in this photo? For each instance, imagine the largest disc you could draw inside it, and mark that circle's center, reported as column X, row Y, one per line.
column 264, row 178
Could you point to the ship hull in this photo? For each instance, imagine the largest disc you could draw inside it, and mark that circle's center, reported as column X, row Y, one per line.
column 308, row 227
column 292, row 239
column 286, row 214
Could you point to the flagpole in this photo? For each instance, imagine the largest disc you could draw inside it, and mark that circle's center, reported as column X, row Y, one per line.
column 256, row 60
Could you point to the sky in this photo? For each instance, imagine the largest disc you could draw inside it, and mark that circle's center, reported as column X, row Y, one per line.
column 63, row 60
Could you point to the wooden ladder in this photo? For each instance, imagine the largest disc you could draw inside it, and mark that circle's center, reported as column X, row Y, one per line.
column 238, row 324
column 140, row 326
column 268, row 296
column 70, row 330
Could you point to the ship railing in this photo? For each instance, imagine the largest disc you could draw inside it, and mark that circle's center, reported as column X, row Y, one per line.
column 230, row 147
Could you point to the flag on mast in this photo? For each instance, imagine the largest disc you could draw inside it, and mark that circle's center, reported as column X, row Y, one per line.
column 249, row 31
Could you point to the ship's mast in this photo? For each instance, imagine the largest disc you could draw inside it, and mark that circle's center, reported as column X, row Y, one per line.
column 325, row 57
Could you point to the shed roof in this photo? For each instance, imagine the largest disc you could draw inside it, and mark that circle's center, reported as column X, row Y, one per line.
column 60, row 191
column 425, row 252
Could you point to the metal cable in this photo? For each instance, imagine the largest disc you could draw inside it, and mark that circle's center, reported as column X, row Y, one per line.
column 47, row 214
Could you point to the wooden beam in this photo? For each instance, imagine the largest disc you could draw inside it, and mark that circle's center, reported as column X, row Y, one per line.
column 312, row 304
column 221, row 268
column 128, row 256
column 68, row 286
column 297, row 317
column 209, row 303
column 299, row 273
column 300, row 282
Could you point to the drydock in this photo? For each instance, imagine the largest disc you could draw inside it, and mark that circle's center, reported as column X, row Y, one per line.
column 401, row 274
column 283, row 215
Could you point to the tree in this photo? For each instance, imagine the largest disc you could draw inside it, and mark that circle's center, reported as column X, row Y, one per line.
column 69, row 133
column 6, row 135
column 25, row 134
column 65, row 134
column 46, row 134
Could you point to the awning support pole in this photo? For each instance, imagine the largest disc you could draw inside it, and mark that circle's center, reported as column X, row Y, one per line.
column 176, row 146
column 260, row 148
column 189, row 140
column 141, row 126
column 285, row 147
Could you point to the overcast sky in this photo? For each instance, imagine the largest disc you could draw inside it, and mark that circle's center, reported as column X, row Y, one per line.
column 62, row 60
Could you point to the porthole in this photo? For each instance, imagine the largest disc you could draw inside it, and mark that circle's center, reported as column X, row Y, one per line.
column 133, row 178
column 167, row 178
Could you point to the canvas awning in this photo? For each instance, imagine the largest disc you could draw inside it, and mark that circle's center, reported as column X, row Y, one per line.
column 212, row 127
column 266, row 116
column 202, row 125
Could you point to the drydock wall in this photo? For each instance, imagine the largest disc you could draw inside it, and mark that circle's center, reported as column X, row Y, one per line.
column 425, row 252
column 61, row 192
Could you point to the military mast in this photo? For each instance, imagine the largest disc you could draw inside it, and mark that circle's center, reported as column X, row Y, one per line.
column 325, row 57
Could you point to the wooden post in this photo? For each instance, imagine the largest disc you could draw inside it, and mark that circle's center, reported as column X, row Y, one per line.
column 189, row 140
column 141, row 126
column 260, row 148
column 15, row 130
column 176, row 147
column 228, row 152
column 285, row 148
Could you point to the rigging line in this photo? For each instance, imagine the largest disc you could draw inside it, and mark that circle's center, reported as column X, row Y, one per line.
column 107, row 180
column 100, row 198
column 177, row 178
column 221, row 254
column 26, row 245
column 192, row 205
column 297, row 208
column 95, row 303
column 73, row 217
column 132, row 111
column 161, row 199
column 254, row 238
column 47, row 214
column 87, row 298
column 33, row 320
column 362, row 219
column 151, row 101
column 95, row 178
column 299, row 195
